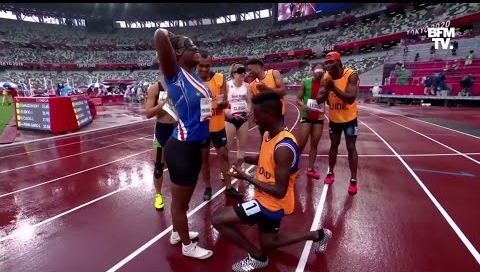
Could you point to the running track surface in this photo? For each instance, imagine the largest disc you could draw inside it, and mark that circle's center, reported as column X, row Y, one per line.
column 85, row 203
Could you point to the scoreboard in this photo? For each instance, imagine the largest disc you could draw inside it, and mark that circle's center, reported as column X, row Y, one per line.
column 82, row 112
column 53, row 114
column 33, row 115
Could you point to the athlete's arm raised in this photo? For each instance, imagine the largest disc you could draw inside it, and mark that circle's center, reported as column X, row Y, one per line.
column 166, row 54
column 283, row 157
column 150, row 109
column 350, row 93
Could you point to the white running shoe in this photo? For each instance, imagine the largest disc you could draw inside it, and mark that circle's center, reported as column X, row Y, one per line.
column 175, row 238
column 194, row 251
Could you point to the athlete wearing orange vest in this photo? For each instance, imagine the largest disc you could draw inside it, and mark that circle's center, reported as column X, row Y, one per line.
column 339, row 88
column 270, row 80
column 218, row 136
column 277, row 171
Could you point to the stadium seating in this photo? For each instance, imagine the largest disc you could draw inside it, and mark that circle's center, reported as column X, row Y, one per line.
column 423, row 68
column 258, row 37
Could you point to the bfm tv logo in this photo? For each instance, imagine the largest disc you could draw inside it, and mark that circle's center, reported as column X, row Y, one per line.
column 441, row 36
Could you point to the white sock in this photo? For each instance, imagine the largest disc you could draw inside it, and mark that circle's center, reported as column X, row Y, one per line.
column 187, row 247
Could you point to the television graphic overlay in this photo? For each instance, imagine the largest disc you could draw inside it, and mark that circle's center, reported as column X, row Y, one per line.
column 288, row 11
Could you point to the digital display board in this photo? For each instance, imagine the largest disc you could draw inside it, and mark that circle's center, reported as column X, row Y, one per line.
column 33, row 115
column 287, row 11
column 82, row 112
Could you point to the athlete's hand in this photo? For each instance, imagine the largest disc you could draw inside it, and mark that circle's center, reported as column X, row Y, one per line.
column 238, row 116
column 330, row 85
column 261, row 87
column 305, row 108
column 228, row 113
column 237, row 172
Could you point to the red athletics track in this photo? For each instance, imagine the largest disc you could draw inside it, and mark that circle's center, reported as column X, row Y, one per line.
column 391, row 225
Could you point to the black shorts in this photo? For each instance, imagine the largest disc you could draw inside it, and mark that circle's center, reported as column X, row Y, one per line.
column 237, row 122
column 263, row 131
column 184, row 161
column 311, row 121
column 217, row 138
column 252, row 212
column 350, row 128
column 162, row 134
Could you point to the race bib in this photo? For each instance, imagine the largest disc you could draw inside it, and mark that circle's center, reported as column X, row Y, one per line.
column 312, row 104
column 162, row 96
column 206, row 110
column 251, row 207
column 238, row 107
column 170, row 110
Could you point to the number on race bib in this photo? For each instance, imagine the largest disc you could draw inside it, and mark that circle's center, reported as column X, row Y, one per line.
column 312, row 104
column 206, row 110
column 251, row 207
column 162, row 96
column 238, row 107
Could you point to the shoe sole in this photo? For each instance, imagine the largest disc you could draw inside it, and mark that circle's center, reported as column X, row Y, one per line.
column 210, row 254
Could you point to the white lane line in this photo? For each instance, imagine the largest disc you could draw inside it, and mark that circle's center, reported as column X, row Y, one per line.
column 315, row 225
column 32, row 227
column 71, row 134
column 83, row 171
column 74, row 174
column 72, row 143
column 418, row 120
column 431, row 139
column 379, row 155
column 69, row 156
column 442, row 211
column 167, row 230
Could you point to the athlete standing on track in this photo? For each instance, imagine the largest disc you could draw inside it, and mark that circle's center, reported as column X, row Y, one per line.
column 339, row 87
column 159, row 105
column 277, row 171
column 270, row 80
column 218, row 135
column 311, row 123
column 183, row 152
column 239, row 97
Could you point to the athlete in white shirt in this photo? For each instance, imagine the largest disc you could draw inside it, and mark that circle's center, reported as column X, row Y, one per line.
column 236, row 122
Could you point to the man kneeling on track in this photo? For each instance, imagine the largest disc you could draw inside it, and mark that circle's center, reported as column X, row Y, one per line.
column 277, row 170
column 158, row 105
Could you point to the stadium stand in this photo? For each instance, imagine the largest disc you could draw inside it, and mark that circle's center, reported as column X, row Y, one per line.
column 40, row 55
